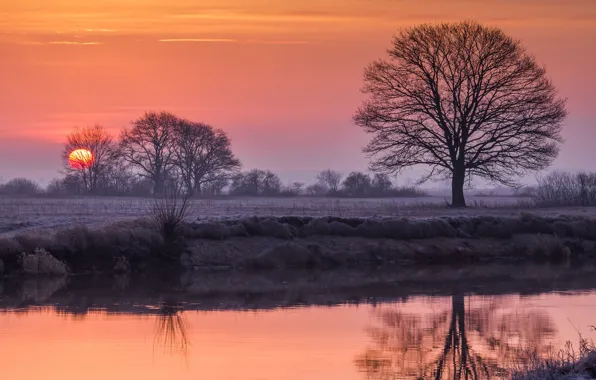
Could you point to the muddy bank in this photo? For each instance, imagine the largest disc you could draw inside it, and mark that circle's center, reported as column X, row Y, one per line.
column 267, row 244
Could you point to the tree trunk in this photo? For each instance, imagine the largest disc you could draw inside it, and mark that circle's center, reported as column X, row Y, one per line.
column 157, row 185
column 457, row 188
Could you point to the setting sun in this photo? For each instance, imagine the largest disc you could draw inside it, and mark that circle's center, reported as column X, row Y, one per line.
column 80, row 158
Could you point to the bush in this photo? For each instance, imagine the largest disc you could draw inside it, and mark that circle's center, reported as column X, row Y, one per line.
column 20, row 186
column 256, row 183
column 169, row 212
column 41, row 262
column 566, row 189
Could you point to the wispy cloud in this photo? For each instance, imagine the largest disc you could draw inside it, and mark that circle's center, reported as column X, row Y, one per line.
column 198, row 40
column 276, row 42
column 79, row 43
column 236, row 41
column 247, row 16
column 101, row 30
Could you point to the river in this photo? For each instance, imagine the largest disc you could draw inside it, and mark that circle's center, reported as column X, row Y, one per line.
column 64, row 330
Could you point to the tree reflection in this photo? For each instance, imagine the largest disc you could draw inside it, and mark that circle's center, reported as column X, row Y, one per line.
column 171, row 329
column 462, row 342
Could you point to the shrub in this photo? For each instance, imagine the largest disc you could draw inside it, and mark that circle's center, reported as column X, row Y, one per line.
column 20, row 186
column 169, row 211
column 566, row 189
column 41, row 262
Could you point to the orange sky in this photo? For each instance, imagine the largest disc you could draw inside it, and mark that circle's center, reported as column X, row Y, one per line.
column 282, row 78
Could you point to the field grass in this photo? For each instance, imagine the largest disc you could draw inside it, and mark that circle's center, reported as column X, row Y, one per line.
column 120, row 234
column 20, row 214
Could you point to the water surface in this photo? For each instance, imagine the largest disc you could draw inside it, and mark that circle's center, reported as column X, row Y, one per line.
column 391, row 338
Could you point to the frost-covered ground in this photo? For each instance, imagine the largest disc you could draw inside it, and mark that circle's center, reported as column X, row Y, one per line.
column 21, row 214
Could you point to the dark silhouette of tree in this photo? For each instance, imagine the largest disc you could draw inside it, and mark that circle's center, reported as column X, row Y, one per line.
column 20, row 187
column 381, row 184
column 149, row 147
column 464, row 99
column 316, row 190
column 203, row 154
column 215, row 185
column 461, row 343
column 330, row 179
column 105, row 155
column 357, row 184
column 256, row 182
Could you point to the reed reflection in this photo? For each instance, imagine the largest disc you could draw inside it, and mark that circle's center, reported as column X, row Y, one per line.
column 170, row 329
column 471, row 341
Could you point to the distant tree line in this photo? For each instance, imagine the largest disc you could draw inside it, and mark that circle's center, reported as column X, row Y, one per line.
column 255, row 183
column 162, row 151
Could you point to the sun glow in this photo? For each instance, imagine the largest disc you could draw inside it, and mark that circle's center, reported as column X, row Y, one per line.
column 80, row 158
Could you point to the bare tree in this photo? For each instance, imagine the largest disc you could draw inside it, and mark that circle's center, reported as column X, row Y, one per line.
column 148, row 146
column 20, row 187
column 215, row 186
column 203, row 154
column 464, row 99
column 105, row 153
column 331, row 179
column 256, row 182
column 316, row 190
column 381, row 183
column 357, row 184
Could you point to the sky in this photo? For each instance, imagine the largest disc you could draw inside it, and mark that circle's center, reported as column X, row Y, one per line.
column 282, row 78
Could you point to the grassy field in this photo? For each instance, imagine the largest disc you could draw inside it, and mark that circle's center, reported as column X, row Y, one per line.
column 20, row 214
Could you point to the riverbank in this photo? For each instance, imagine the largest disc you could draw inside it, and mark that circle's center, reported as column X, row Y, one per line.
column 274, row 243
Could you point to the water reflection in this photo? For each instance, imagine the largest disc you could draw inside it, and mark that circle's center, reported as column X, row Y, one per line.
column 171, row 329
column 468, row 340
column 410, row 330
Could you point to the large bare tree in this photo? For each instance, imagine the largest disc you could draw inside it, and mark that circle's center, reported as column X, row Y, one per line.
column 203, row 155
column 148, row 145
column 103, row 148
column 466, row 100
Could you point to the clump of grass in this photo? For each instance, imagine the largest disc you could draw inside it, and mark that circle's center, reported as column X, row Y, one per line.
column 169, row 211
column 41, row 262
column 567, row 364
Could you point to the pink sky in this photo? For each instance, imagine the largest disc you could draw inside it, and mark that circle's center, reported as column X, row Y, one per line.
column 281, row 78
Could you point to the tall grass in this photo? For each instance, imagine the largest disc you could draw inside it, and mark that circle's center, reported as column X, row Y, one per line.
column 568, row 364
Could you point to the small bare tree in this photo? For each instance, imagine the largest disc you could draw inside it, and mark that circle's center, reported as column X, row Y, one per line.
column 170, row 209
column 203, row 154
column 105, row 155
column 331, row 179
column 464, row 99
column 149, row 146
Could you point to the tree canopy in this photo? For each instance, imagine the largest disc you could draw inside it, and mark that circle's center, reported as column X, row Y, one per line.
column 463, row 99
